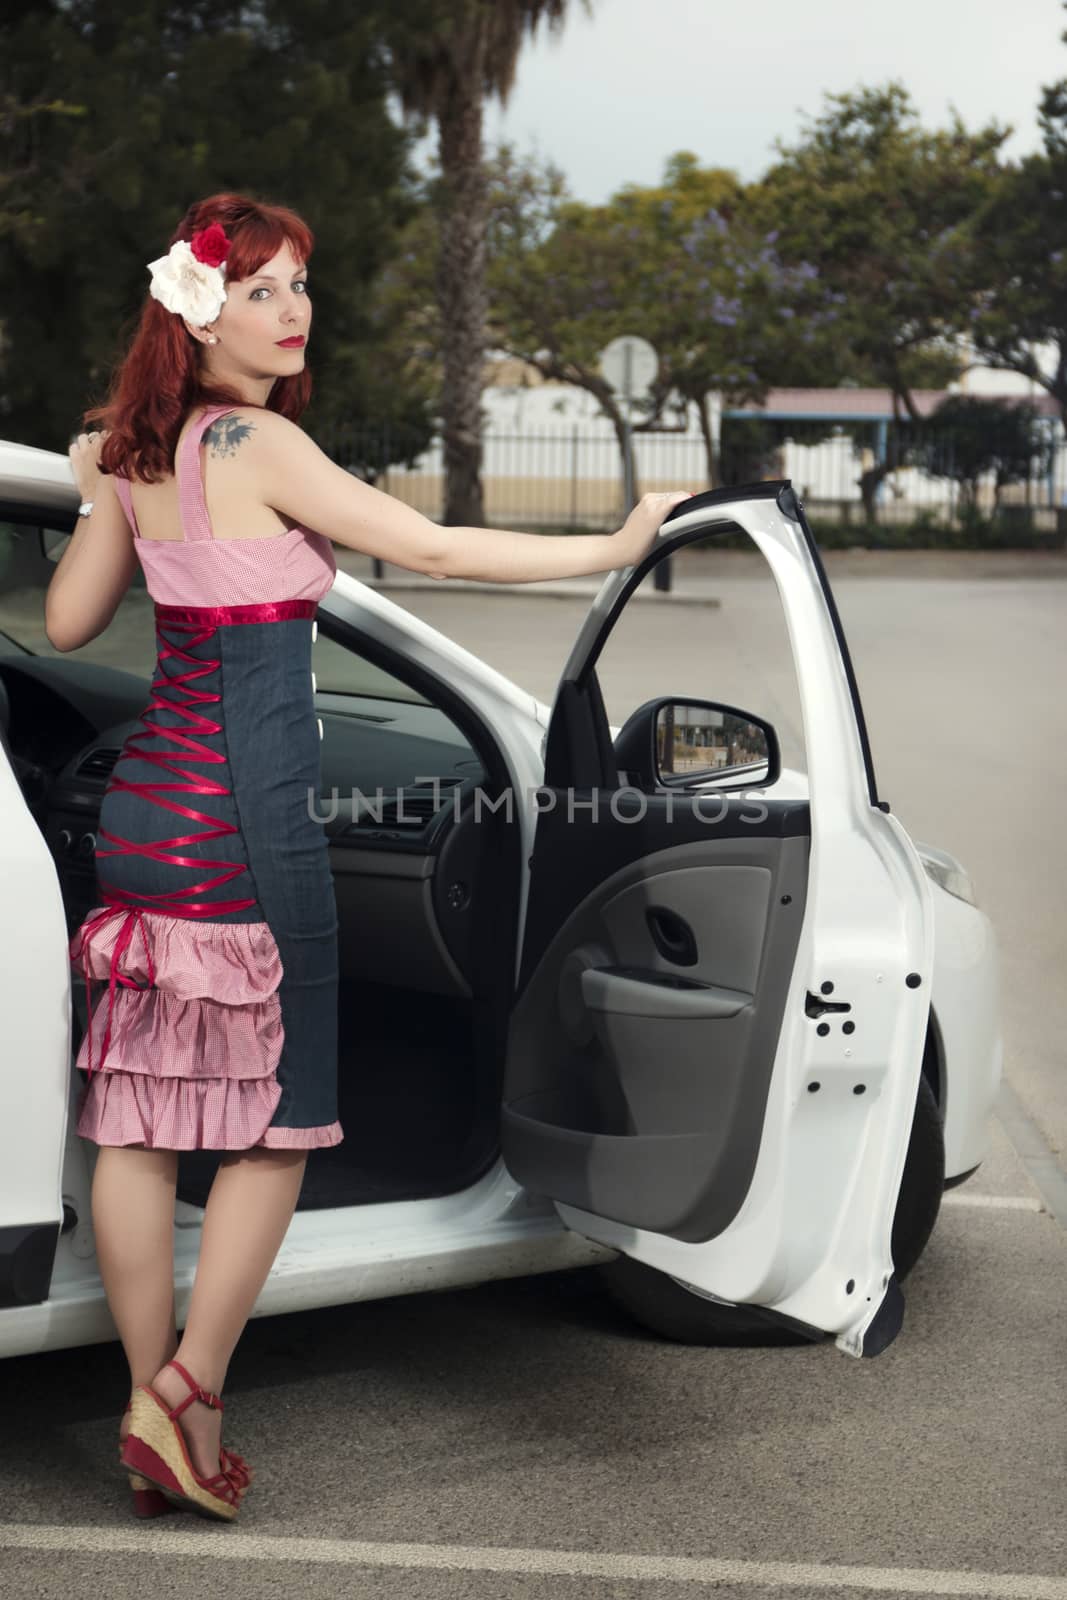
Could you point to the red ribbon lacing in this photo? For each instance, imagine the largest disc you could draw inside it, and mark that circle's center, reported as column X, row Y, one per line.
column 174, row 902
column 131, row 920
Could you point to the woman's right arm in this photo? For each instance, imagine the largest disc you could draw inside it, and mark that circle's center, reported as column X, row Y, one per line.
column 301, row 482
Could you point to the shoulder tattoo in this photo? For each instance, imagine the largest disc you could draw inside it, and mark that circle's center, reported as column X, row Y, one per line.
column 226, row 434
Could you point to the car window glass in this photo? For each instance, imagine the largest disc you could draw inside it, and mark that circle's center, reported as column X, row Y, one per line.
column 129, row 641
column 379, row 731
column 720, row 634
column 340, row 670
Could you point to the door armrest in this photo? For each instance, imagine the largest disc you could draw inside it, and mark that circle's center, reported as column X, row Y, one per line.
column 647, row 992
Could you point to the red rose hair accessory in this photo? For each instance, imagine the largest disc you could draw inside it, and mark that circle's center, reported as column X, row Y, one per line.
column 210, row 245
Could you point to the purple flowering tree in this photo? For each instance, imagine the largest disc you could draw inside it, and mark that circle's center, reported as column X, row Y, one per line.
column 680, row 264
column 883, row 207
column 730, row 315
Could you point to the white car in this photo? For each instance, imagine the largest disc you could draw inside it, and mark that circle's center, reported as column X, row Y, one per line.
column 630, row 996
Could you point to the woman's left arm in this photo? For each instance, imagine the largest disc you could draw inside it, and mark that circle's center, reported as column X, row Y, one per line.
column 98, row 564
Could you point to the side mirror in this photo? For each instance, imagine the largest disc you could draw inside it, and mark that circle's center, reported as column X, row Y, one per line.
column 693, row 744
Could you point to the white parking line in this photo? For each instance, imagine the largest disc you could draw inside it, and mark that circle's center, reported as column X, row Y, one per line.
column 995, row 1202
column 1034, row 1151
column 226, row 1545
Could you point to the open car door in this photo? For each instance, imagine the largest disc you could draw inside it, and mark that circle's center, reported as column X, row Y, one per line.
column 34, row 1045
column 715, row 1044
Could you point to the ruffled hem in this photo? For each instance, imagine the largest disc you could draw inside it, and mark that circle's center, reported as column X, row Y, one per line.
column 177, row 1113
column 303, row 1138
column 194, row 1034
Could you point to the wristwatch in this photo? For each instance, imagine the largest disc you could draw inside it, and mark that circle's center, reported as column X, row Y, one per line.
column 85, row 508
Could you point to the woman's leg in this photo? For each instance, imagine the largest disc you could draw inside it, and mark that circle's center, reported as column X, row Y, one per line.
column 133, row 1220
column 249, row 1209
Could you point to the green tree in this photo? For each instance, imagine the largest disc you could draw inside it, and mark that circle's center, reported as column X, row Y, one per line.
column 969, row 438
column 398, row 372
column 680, row 263
column 1021, row 239
column 728, row 316
column 174, row 101
column 882, row 207
column 564, row 277
column 448, row 57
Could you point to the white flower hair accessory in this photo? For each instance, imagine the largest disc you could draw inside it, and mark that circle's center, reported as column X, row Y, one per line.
column 190, row 278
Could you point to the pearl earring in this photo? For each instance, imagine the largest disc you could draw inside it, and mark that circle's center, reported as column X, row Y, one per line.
column 213, row 340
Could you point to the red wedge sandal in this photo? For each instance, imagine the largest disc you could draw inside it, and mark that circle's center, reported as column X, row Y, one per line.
column 148, row 1501
column 155, row 1451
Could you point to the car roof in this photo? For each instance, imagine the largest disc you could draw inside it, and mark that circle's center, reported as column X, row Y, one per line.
column 34, row 477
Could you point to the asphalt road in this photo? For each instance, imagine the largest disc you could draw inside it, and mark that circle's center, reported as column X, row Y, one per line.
column 524, row 1438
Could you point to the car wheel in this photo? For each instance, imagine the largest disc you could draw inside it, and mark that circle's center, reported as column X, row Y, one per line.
column 665, row 1307
column 922, row 1183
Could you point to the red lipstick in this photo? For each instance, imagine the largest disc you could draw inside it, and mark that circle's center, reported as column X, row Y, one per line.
column 291, row 344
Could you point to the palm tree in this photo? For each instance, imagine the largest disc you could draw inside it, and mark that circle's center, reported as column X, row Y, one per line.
column 449, row 56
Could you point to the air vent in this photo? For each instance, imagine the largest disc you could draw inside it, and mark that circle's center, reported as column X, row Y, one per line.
column 417, row 803
column 414, row 812
column 97, row 764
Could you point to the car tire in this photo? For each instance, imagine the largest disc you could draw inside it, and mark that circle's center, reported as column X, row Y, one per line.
column 654, row 1299
column 922, row 1183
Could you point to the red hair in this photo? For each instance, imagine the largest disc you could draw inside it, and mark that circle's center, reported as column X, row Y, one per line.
column 161, row 379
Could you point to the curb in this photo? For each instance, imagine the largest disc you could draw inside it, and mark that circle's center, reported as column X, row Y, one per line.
column 536, row 591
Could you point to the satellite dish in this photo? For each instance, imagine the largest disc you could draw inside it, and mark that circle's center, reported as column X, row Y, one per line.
column 629, row 364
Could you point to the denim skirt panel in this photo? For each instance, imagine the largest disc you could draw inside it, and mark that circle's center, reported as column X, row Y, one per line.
column 217, row 932
column 276, row 762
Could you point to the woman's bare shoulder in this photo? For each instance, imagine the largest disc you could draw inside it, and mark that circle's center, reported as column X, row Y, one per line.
column 293, row 475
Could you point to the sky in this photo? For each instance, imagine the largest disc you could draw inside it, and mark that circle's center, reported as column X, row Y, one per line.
column 611, row 96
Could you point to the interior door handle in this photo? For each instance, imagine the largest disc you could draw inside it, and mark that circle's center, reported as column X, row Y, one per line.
column 672, row 936
column 644, row 992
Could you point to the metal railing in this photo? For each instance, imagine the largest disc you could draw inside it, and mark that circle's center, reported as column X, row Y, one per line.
column 572, row 477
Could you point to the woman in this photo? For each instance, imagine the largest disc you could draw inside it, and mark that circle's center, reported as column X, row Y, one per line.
column 217, row 932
